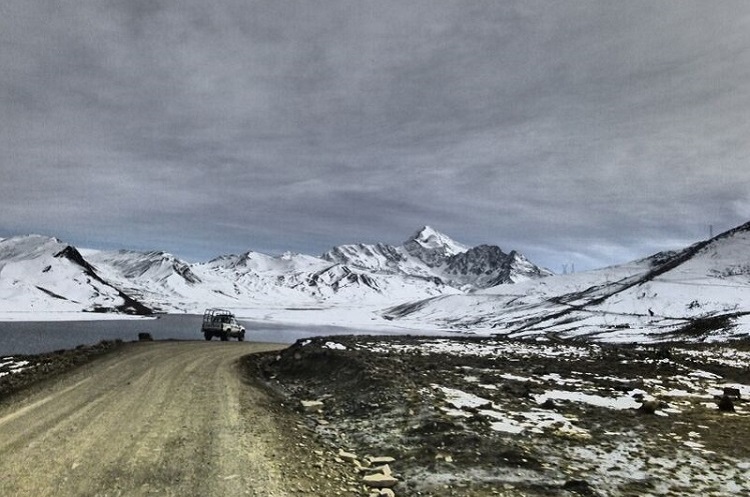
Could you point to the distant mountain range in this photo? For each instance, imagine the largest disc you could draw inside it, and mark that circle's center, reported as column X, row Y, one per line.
column 430, row 281
column 35, row 276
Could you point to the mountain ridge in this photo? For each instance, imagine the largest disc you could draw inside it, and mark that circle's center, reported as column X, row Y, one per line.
column 703, row 288
column 429, row 263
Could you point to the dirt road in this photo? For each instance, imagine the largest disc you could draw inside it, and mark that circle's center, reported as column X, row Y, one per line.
column 168, row 419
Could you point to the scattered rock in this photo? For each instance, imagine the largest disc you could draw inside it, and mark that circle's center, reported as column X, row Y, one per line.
column 310, row 406
column 145, row 337
column 347, row 456
column 441, row 456
column 383, row 492
column 388, row 395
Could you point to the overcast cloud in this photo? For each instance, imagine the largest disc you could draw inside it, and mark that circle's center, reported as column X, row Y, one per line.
column 575, row 132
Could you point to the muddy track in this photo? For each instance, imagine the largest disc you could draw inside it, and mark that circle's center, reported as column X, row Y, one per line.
column 151, row 419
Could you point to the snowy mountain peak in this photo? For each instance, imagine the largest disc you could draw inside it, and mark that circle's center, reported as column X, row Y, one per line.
column 430, row 238
column 432, row 247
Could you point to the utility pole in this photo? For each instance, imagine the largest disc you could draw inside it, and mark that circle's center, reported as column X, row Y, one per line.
column 570, row 265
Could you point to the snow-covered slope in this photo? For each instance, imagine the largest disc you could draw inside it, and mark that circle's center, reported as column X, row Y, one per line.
column 702, row 288
column 158, row 278
column 39, row 273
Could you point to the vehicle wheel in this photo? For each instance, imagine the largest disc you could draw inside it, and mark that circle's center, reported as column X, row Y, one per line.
column 207, row 335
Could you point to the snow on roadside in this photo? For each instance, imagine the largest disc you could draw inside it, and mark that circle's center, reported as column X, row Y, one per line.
column 499, row 348
column 503, row 420
column 9, row 365
column 620, row 402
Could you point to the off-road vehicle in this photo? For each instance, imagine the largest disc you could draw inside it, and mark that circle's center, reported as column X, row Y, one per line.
column 221, row 323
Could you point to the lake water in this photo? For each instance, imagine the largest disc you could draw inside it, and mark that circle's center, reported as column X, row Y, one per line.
column 33, row 337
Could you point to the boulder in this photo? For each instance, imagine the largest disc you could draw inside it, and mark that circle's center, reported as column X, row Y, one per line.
column 649, row 406
column 725, row 404
column 548, row 404
column 732, row 392
column 380, row 480
column 581, row 487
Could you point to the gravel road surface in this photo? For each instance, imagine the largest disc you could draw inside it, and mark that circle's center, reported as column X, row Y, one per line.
column 168, row 419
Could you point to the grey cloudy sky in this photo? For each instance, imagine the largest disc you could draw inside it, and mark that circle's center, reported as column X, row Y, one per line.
column 585, row 132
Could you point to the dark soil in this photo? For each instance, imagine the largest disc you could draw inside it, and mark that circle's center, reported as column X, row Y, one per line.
column 45, row 366
column 389, row 396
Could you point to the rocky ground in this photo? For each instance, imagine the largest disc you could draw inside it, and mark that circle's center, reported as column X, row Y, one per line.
column 481, row 417
column 20, row 371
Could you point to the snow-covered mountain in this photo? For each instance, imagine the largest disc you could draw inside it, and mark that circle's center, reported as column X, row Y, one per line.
column 39, row 273
column 428, row 282
column 431, row 255
column 701, row 290
column 253, row 279
column 371, row 276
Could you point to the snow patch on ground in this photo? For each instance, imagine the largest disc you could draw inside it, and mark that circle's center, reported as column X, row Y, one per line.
column 552, row 414
column 10, row 365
